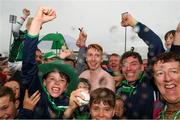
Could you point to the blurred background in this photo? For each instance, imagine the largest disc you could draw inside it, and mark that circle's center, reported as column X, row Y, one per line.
column 100, row 19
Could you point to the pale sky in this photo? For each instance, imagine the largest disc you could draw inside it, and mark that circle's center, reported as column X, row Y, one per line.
column 100, row 18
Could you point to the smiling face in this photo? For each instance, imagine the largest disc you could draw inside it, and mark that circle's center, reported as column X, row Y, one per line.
column 131, row 68
column 101, row 111
column 94, row 57
column 7, row 108
column 114, row 63
column 167, row 79
column 169, row 40
column 55, row 83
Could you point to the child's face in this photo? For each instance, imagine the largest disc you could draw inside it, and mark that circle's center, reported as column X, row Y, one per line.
column 119, row 108
column 83, row 86
column 55, row 84
column 169, row 41
column 101, row 111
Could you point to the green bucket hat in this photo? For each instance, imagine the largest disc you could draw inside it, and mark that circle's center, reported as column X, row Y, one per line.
column 61, row 67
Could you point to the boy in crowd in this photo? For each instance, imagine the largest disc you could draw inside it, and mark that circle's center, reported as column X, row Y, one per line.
column 51, row 81
column 101, row 104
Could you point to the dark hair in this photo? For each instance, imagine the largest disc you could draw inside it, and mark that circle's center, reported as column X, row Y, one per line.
column 104, row 95
column 167, row 57
column 5, row 91
column 85, row 81
column 63, row 75
column 37, row 49
column 169, row 33
column 131, row 54
column 113, row 54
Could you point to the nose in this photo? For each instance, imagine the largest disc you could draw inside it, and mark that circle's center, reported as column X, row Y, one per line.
column 167, row 77
column 128, row 67
column 93, row 58
column 57, row 82
column 5, row 116
column 101, row 113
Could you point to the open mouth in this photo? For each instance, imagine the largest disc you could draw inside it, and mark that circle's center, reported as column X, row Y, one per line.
column 56, row 89
column 129, row 74
column 170, row 86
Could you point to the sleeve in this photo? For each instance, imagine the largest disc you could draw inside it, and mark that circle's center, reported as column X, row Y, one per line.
column 155, row 46
column 175, row 49
column 81, row 61
column 29, row 72
column 17, row 26
column 25, row 113
column 16, row 46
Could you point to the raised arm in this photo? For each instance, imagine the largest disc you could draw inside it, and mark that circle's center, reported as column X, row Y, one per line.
column 20, row 21
column 153, row 41
column 81, row 43
column 18, row 39
column 29, row 67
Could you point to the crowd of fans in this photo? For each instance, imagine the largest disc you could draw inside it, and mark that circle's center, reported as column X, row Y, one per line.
column 47, row 85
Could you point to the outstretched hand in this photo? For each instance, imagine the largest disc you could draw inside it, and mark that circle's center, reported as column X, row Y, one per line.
column 26, row 12
column 81, row 41
column 127, row 20
column 45, row 14
column 65, row 53
column 30, row 102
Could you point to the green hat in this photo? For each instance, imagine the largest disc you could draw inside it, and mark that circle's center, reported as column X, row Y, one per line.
column 49, row 55
column 63, row 68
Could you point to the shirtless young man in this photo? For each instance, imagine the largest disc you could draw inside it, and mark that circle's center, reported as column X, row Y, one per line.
column 95, row 74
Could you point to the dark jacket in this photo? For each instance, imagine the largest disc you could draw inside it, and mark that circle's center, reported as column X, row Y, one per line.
column 30, row 81
column 139, row 97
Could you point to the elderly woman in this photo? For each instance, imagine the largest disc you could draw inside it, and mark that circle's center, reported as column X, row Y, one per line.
column 167, row 78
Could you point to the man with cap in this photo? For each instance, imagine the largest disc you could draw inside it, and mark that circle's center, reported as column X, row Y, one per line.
column 50, row 79
column 49, row 57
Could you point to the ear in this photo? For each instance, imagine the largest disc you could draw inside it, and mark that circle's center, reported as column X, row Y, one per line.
column 17, row 103
column 44, row 82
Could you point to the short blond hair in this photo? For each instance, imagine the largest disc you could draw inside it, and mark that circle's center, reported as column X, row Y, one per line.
column 96, row 47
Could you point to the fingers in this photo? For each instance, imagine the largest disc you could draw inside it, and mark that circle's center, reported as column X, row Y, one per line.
column 26, row 12
column 81, row 41
column 26, row 94
column 35, row 95
column 124, row 17
column 77, row 93
column 80, row 29
column 48, row 11
column 30, row 102
column 36, row 98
